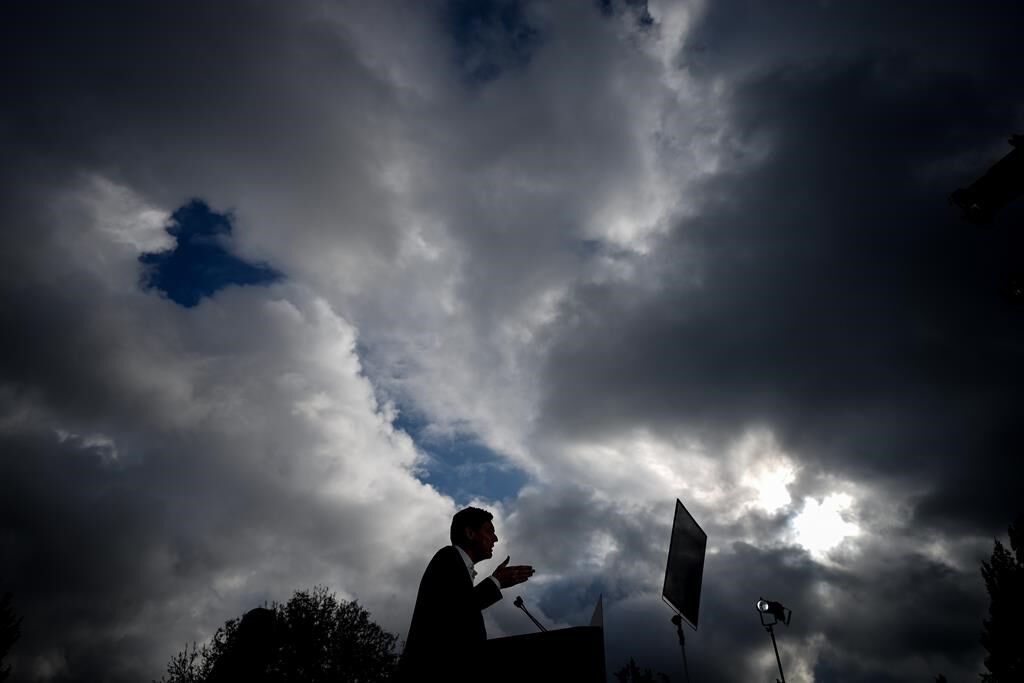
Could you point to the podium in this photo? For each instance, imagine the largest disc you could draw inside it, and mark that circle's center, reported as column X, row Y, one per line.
column 568, row 655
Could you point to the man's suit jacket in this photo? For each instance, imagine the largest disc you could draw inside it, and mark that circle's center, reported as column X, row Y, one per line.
column 447, row 631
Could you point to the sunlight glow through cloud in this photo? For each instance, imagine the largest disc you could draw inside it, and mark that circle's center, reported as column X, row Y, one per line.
column 821, row 526
column 766, row 470
column 771, row 482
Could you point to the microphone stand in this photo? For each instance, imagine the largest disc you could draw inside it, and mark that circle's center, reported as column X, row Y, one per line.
column 518, row 602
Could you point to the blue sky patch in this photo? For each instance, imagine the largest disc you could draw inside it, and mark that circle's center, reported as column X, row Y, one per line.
column 200, row 263
column 462, row 467
column 489, row 37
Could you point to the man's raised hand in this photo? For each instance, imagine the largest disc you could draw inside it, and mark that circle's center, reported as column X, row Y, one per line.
column 509, row 576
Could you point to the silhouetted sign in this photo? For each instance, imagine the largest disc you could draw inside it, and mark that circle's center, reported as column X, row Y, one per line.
column 685, row 568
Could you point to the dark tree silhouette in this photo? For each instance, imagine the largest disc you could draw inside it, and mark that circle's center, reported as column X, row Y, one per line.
column 313, row 638
column 10, row 631
column 190, row 665
column 1003, row 632
column 631, row 673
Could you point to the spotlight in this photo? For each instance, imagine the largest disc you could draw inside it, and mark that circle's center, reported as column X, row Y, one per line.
column 779, row 611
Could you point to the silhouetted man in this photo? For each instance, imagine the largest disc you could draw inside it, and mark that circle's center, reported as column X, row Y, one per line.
column 447, row 635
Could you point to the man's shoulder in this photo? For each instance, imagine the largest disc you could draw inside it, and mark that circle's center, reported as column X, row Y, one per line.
column 445, row 554
column 444, row 565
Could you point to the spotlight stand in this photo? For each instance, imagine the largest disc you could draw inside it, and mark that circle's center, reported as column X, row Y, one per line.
column 771, row 632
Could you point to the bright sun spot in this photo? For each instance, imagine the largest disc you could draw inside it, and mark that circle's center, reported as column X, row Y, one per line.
column 767, row 471
column 772, row 485
column 820, row 527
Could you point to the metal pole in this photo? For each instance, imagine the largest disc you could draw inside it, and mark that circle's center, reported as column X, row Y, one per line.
column 519, row 603
column 771, row 632
column 678, row 621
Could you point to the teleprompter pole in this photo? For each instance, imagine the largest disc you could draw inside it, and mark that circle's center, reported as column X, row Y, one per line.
column 678, row 621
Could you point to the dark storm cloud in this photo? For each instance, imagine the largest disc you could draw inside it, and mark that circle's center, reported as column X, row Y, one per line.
column 229, row 102
column 740, row 36
column 824, row 289
column 840, row 299
column 92, row 531
column 99, row 539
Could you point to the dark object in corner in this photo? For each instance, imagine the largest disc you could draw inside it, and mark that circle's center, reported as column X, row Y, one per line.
column 999, row 186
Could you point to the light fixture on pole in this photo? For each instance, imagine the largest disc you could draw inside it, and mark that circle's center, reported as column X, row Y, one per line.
column 779, row 613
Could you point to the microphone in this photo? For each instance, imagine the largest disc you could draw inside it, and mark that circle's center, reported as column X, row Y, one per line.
column 518, row 602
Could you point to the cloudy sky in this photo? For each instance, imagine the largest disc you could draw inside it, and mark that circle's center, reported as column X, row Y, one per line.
column 283, row 285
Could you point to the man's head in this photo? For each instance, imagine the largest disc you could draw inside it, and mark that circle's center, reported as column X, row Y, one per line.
column 473, row 531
